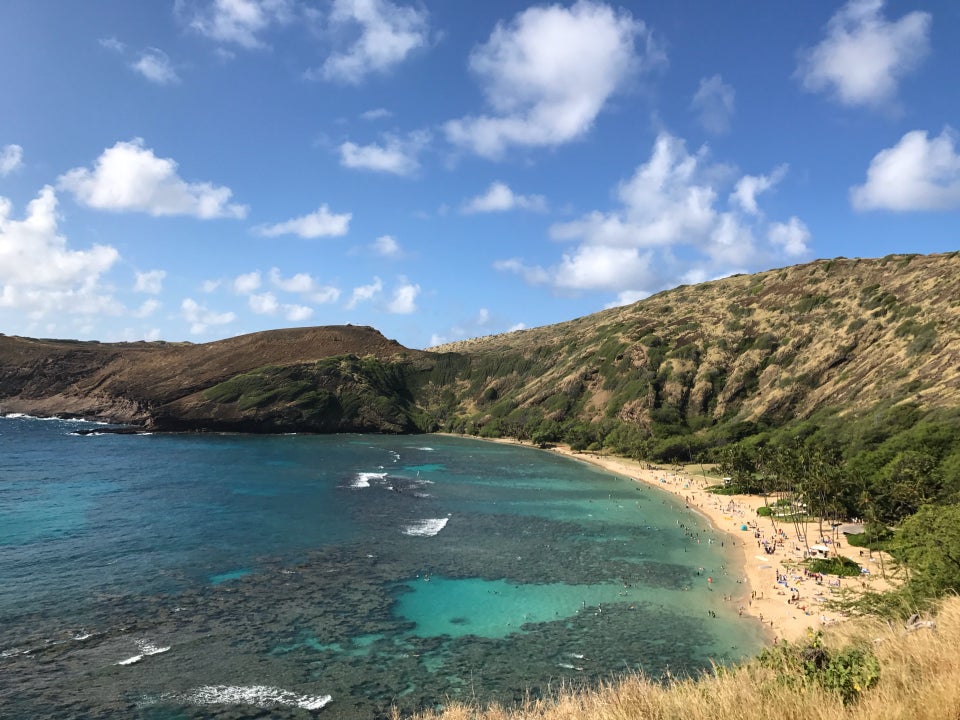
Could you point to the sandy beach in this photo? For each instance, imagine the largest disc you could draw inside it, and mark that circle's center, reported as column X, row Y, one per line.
column 777, row 590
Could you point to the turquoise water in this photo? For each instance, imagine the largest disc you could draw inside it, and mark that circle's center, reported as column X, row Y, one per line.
column 195, row 576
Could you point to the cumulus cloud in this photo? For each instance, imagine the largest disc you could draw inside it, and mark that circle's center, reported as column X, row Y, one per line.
column 150, row 282
column 264, row 303
column 11, row 158
column 404, row 300
column 320, row 223
column 396, row 155
column 749, row 186
column 154, row 64
column 129, row 177
column 548, row 74
column 238, row 22
column 112, row 44
column 200, row 317
column 672, row 224
column 713, row 102
column 376, row 114
column 387, row 246
column 792, row 236
column 918, row 173
column 365, row 293
column 864, row 56
column 247, row 283
column 148, row 308
column 388, row 34
column 500, row 198
column 299, row 283
column 306, row 286
column 297, row 313
column 40, row 275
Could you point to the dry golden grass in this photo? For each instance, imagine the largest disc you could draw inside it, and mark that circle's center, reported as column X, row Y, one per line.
column 919, row 680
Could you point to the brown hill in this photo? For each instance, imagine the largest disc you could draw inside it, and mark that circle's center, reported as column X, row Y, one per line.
column 130, row 382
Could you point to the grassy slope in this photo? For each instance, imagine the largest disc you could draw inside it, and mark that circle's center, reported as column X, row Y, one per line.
column 838, row 335
column 919, row 678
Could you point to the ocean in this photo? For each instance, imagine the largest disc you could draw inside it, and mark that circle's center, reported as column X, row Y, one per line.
column 206, row 576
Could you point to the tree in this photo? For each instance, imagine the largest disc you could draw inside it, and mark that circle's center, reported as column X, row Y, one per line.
column 929, row 543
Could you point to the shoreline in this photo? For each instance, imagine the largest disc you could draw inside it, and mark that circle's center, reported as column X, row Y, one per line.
column 770, row 579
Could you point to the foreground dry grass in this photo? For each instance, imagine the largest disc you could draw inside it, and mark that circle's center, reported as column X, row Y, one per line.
column 919, row 679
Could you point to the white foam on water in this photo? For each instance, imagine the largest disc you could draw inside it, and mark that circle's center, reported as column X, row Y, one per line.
column 426, row 528
column 51, row 418
column 362, row 479
column 82, row 636
column 148, row 648
column 262, row 696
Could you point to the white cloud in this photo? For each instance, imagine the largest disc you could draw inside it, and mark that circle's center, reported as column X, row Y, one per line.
column 297, row 313
column 365, row 293
column 533, row 275
column 320, row 223
column 264, row 303
column 549, row 73
column 397, row 156
column 388, row 34
column 668, row 200
column 304, row 285
column 240, row 22
column 387, row 246
column 210, row 286
column 792, row 236
column 148, row 308
column 714, row 102
column 749, row 186
column 499, row 198
column 299, row 283
column 129, row 177
column 11, row 158
column 917, row 173
column 40, row 275
column 593, row 267
column 150, row 282
column 864, row 56
column 112, row 44
column 324, row 294
column 627, row 297
column 376, row 114
column 200, row 317
column 154, row 64
column 247, row 283
column 404, row 299
column 671, row 223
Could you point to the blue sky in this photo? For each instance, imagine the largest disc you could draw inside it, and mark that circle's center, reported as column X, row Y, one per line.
column 197, row 169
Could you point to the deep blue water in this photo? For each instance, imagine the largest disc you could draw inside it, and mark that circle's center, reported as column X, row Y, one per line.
column 252, row 572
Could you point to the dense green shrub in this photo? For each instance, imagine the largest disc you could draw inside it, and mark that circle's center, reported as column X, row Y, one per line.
column 846, row 672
